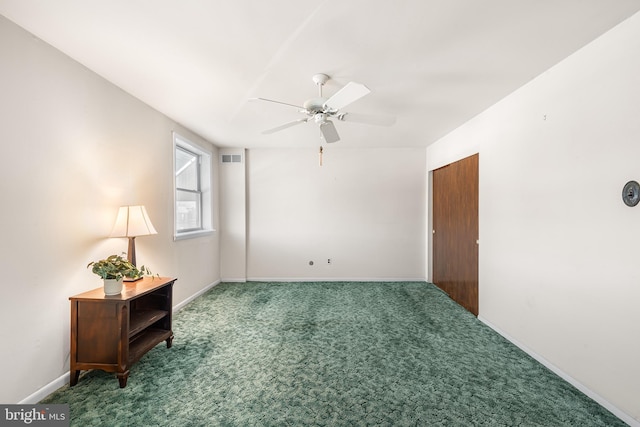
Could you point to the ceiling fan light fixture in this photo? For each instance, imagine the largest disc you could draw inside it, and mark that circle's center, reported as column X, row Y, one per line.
column 320, row 118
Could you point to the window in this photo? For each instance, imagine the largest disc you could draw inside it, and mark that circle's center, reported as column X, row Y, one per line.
column 192, row 167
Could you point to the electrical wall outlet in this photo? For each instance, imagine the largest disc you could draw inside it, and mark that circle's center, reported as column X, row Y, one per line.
column 328, row 260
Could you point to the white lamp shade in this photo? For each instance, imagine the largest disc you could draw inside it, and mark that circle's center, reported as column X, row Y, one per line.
column 132, row 221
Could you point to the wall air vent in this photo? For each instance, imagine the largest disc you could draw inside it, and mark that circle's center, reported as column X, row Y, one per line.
column 231, row 158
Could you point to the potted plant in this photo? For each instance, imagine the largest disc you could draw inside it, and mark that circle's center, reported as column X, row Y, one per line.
column 113, row 270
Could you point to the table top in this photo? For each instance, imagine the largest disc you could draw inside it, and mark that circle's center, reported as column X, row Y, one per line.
column 129, row 290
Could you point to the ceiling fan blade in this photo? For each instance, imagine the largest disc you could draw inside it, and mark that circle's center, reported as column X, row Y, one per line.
column 285, row 126
column 345, row 96
column 329, row 132
column 369, row 119
column 276, row 102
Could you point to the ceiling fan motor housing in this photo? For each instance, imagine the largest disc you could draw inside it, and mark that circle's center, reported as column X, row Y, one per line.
column 314, row 105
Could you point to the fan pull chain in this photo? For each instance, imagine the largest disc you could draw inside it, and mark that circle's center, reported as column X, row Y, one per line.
column 320, row 155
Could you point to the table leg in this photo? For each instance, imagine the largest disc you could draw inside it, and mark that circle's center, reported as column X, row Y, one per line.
column 74, row 374
column 169, row 341
column 122, row 378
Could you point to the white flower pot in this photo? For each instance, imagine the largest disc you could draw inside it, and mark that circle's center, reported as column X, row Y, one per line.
column 112, row 286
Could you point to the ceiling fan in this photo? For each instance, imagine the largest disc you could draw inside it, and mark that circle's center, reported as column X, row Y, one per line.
column 320, row 110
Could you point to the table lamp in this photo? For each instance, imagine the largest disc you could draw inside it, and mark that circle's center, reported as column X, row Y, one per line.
column 132, row 221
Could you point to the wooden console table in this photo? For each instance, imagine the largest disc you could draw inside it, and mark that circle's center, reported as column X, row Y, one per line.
column 112, row 332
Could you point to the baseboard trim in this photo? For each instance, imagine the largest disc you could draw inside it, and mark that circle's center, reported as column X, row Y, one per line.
column 568, row 378
column 182, row 304
column 334, row 279
column 46, row 390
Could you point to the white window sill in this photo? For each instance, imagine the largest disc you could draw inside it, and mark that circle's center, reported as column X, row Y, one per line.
column 193, row 234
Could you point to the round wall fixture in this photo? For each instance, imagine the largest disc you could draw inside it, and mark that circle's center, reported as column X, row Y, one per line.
column 631, row 193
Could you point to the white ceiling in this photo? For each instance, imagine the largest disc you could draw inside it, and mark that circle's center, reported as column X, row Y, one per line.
column 434, row 64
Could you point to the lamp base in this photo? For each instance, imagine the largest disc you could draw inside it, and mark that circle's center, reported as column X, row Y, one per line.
column 131, row 250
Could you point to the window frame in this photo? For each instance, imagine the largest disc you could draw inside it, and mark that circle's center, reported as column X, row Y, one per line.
column 205, row 185
column 196, row 192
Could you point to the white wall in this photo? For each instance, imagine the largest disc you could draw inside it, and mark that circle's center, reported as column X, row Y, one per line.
column 74, row 148
column 233, row 219
column 364, row 209
column 559, row 250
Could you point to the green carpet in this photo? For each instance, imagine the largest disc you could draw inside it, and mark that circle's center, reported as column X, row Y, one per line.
column 331, row 354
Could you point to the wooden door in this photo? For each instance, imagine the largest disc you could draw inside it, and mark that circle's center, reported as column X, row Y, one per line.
column 455, row 231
